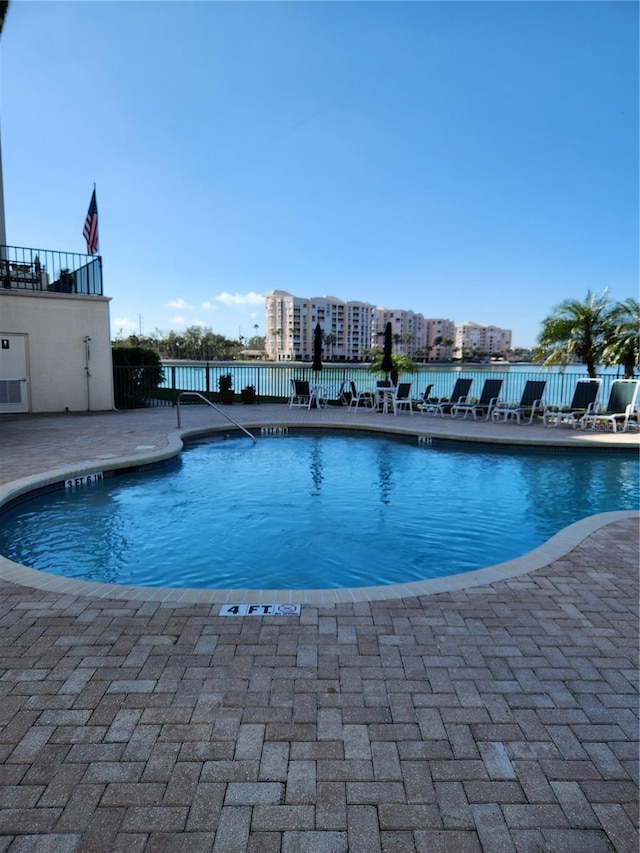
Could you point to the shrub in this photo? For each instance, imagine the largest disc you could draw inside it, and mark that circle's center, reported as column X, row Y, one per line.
column 137, row 372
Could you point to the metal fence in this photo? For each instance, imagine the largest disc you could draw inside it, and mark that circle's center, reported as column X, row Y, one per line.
column 46, row 270
column 272, row 382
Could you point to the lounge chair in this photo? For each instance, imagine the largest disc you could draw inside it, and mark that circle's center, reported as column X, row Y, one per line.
column 344, row 394
column 530, row 403
column 357, row 397
column 425, row 399
column 300, row 394
column 484, row 406
column 402, row 398
column 582, row 403
column 622, row 408
column 444, row 405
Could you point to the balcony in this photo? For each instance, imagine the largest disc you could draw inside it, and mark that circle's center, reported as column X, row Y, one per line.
column 45, row 271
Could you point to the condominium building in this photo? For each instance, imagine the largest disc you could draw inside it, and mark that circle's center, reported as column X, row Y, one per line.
column 471, row 337
column 352, row 329
column 347, row 327
column 439, row 339
column 359, row 322
column 291, row 320
column 407, row 330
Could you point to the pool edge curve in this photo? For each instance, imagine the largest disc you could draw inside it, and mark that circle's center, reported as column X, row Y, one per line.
column 554, row 548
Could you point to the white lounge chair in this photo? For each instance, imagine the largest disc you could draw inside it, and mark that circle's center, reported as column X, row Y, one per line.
column 621, row 409
column 366, row 398
column 484, row 406
column 402, row 398
column 424, row 399
column 444, row 405
column 582, row 403
column 300, row 394
column 524, row 411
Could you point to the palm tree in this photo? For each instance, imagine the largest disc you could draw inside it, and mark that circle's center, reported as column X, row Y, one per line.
column 407, row 338
column 278, row 334
column 401, row 363
column 330, row 340
column 624, row 347
column 577, row 330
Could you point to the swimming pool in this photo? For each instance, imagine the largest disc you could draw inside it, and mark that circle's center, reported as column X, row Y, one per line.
column 314, row 511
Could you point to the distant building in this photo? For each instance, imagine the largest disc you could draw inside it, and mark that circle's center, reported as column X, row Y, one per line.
column 352, row 329
column 359, row 322
column 439, row 339
column 407, row 330
column 472, row 338
column 291, row 321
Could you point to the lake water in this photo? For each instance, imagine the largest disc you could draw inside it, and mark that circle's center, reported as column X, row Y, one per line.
column 274, row 380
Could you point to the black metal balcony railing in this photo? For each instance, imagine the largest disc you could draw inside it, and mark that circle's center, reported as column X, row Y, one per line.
column 50, row 271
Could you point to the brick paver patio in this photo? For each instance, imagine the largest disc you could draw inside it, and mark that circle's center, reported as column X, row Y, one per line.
column 503, row 717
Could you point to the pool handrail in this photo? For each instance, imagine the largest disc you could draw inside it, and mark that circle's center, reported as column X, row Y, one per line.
column 213, row 406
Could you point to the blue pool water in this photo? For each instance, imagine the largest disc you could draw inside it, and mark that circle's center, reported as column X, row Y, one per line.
column 311, row 511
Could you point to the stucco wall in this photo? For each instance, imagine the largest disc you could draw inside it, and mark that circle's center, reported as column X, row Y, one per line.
column 55, row 326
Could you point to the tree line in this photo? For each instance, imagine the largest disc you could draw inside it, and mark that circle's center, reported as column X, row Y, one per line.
column 197, row 343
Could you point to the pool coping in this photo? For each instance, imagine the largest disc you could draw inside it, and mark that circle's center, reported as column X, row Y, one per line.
column 554, row 548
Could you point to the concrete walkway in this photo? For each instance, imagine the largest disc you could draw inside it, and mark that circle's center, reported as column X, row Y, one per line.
column 499, row 717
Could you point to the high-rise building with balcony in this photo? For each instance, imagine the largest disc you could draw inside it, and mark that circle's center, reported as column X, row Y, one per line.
column 439, row 339
column 472, row 338
column 352, row 329
column 291, row 321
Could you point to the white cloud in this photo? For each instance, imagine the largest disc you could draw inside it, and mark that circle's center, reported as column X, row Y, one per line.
column 124, row 323
column 251, row 298
column 209, row 306
column 181, row 304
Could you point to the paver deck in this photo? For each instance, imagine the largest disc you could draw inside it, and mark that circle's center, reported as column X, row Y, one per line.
column 499, row 717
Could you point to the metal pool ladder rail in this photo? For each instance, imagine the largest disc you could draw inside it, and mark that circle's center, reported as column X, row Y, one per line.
column 213, row 406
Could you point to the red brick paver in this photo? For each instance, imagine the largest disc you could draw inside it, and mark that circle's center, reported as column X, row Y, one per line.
column 503, row 717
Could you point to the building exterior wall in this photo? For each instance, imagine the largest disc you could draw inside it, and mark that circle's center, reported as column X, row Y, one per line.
column 359, row 320
column 54, row 327
column 497, row 340
column 436, row 332
column 407, row 330
column 291, row 321
column 279, row 318
column 489, row 339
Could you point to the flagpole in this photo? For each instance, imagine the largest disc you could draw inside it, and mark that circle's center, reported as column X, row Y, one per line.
column 4, row 8
column 3, row 233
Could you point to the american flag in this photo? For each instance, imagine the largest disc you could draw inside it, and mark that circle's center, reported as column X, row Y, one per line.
column 90, row 230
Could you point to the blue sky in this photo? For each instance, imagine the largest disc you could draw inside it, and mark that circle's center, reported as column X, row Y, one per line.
column 468, row 160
